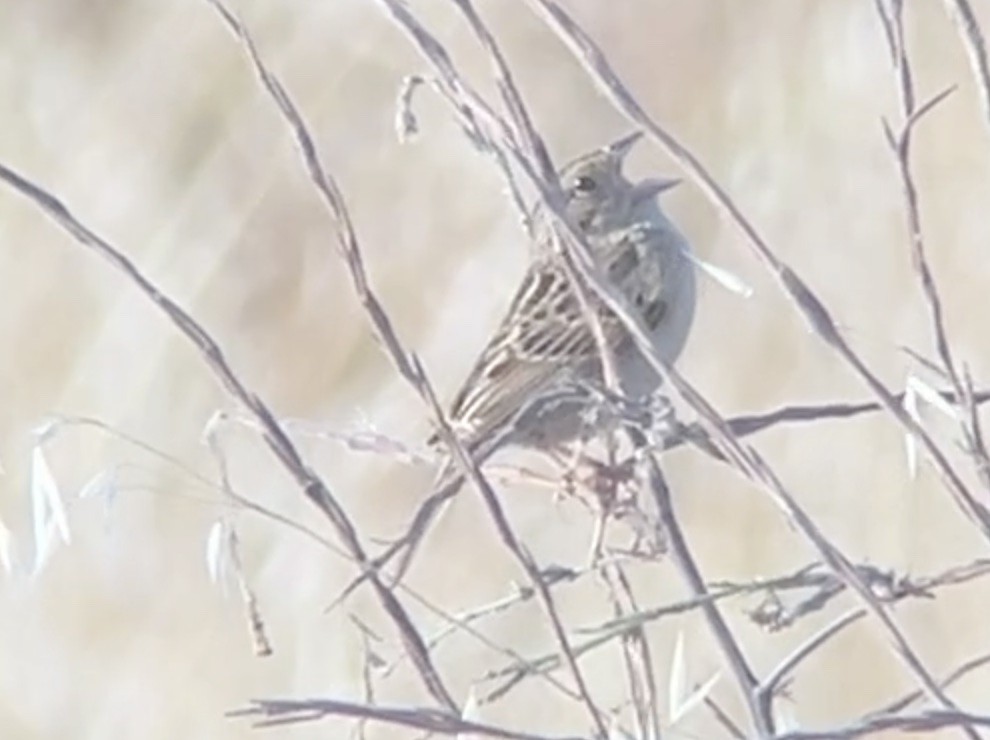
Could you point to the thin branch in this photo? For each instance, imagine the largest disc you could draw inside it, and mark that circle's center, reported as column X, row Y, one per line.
column 825, row 584
column 522, row 556
column 286, row 712
column 966, row 668
column 923, row 722
column 807, row 303
column 743, row 426
column 406, row 363
column 312, row 486
column 893, row 23
column 812, row 308
column 769, row 686
column 636, row 655
column 971, row 37
column 681, row 553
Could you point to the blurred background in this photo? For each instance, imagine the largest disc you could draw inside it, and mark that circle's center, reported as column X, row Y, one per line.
column 146, row 119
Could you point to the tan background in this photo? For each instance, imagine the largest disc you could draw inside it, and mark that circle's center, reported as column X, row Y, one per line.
column 145, row 117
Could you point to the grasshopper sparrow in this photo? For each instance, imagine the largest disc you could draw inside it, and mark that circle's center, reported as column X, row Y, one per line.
column 531, row 384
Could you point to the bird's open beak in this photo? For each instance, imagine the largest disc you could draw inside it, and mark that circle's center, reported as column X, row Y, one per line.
column 649, row 188
column 623, row 146
column 652, row 187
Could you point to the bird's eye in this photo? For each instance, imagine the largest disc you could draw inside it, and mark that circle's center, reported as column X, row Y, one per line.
column 585, row 184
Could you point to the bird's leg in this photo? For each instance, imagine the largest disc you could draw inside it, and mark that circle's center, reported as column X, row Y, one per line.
column 577, row 468
column 581, row 471
column 604, row 479
column 567, row 458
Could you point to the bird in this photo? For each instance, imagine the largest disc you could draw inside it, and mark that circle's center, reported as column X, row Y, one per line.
column 529, row 386
column 534, row 381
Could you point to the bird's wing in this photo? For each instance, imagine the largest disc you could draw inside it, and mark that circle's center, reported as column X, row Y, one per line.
column 543, row 333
